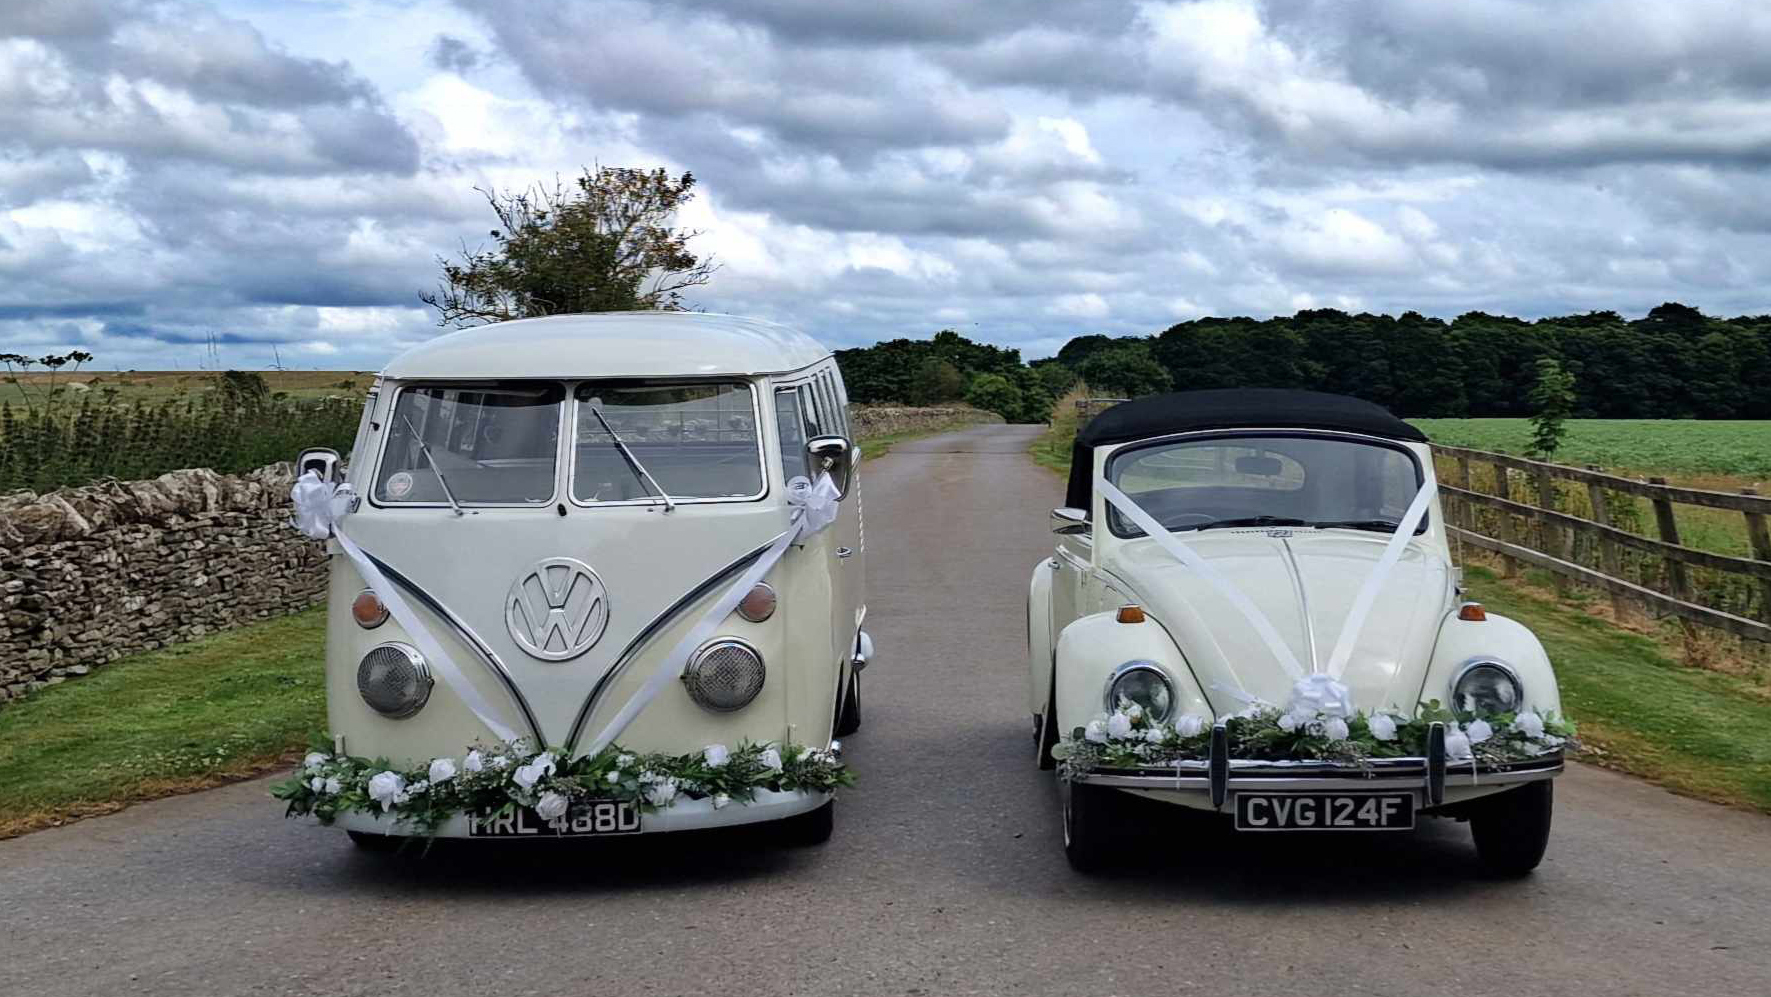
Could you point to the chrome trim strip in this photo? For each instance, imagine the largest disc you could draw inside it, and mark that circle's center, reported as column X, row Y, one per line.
column 1297, row 584
column 1385, row 773
column 651, row 629
column 488, row 657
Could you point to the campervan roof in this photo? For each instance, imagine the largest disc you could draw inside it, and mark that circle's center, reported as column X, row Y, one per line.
column 611, row 344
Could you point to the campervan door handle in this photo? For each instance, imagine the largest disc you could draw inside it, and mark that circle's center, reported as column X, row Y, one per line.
column 844, row 552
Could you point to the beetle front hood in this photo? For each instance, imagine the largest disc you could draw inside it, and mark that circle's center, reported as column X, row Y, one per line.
column 1305, row 584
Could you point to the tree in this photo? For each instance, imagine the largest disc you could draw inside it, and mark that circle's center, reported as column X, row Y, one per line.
column 936, row 381
column 607, row 244
column 994, row 393
column 1552, row 401
column 1125, row 370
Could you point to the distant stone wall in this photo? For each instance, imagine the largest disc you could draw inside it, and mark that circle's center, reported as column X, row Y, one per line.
column 886, row 420
column 90, row 574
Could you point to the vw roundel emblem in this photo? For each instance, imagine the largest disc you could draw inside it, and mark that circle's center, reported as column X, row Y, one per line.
column 557, row 610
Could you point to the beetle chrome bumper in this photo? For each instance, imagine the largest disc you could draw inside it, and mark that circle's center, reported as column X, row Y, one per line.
column 1380, row 773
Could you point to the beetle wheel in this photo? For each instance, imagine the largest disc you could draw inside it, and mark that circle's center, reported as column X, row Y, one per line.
column 1047, row 736
column 1090, row 828
column 848, row 715
column 1512, row 829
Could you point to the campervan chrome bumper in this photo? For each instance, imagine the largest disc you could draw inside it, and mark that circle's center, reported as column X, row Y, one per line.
column 1204, row 787
column 683, row 815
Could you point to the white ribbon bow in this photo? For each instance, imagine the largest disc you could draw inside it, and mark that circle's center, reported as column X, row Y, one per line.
column 1320, row 693
column 814, row 507
column 320, row 511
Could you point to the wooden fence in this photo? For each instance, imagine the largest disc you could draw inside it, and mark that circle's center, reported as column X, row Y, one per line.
column 1565, row 521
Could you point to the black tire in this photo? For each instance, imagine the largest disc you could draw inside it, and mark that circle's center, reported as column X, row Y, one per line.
column 1512, row 829
column 811, row 828
column 370, row 842
column 1091, row 835
column 848, row 717
column 1047, row 737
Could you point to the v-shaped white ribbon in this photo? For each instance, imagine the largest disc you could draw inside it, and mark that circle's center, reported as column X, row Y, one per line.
column 1374, row 582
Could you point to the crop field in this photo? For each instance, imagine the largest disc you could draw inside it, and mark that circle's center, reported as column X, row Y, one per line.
column 1687, row 449
column 155, row 386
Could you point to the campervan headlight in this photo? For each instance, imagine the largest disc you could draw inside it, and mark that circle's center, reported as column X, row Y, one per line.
column 394, row 680
column 724, row 675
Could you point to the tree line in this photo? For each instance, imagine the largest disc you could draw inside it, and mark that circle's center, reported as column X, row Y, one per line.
column 1673, row 363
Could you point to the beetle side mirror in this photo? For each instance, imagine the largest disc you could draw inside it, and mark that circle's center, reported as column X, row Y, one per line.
column 1069, row 521
column 834, row 455
column 323, row 461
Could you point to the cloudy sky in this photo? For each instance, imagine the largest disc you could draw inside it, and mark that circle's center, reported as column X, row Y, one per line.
column 284, row 172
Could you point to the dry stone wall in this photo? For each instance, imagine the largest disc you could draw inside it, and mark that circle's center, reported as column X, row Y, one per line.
column 90, row 574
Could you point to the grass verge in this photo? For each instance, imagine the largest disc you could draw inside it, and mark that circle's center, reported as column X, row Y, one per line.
column 184, row 718
column 1695, row 731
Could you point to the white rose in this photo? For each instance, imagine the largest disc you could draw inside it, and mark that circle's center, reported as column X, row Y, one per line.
column 528, row 775
column 1457, row 743
column 720, row 800
column 1190, row 725
column 551, row 806
column 474, row 762
column 314, row 760
column 1288, row 722
column 1134, row 711
column 384, row 787
column 500, row 762
column 441, row 770
column 333, row 786
column 624, row 761
column 1478, row 731
column 661, row 792
column 1383, row 726
column 771, row 759
column 614, row 777
column 715, row 755
column 1096, row 731
column 1155, row 734
column 1119, row 725
column 1529, row 724
column 317, row 784
column 1335, row 729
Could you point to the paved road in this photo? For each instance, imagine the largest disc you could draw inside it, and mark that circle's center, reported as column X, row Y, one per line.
column 945, row 875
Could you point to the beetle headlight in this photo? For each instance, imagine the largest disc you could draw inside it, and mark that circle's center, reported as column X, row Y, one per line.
column 724, row 675
column 1143, row 683
column 1486, row 687
column 394, row 680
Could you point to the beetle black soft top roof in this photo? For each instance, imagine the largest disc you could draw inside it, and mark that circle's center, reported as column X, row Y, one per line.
column 1226, row 408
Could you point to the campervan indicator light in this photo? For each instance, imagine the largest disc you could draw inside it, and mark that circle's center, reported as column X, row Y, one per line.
column 368, row 610
column 758, row 604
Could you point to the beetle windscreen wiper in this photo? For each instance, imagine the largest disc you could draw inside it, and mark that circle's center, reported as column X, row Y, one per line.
column 1250, row 521
column 633, row 462
column 1380, row 525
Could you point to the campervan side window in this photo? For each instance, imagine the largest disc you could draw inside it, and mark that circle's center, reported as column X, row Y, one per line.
column 495, row 444
column 698, row 440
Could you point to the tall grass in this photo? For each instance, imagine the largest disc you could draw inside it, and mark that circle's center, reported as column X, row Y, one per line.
column 47, row 448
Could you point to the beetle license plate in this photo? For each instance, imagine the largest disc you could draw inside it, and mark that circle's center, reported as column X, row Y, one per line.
column 1324, row 811
column 597, row 817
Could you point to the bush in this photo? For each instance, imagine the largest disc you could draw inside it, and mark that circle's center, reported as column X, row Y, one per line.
column 994, row 393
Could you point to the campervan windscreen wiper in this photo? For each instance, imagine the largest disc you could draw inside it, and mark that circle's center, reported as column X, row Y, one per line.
column 633, row 462
column 432, row 461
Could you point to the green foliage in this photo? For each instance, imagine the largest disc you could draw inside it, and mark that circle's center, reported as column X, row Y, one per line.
column 1124, row 370
column 43, row 448
column 1552, row 399
column 995, row 393
column 936, row 381
column 607, row 245
column 242, row 387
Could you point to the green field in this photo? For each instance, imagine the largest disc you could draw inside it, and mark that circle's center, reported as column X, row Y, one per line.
column 153, row 386
column 1672, row 447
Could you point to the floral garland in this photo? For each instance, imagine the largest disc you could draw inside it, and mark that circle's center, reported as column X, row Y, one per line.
column 494, row 781
column 1129, row 738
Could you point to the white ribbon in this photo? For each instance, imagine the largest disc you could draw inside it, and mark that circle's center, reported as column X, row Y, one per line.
column 320, row 510
column 814, row 508
column 1203, row 568
column 1380, row 572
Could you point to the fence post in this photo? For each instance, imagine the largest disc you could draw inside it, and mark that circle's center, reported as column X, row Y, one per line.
column 1761, row 541
column 1466, row 510
column 1609, row 558
column 1502, row 489
column 1554, row 536
column 1669, row 532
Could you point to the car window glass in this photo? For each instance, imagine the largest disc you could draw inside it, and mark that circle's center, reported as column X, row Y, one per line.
column 494, row 444
column 699, row 441
column 791, row 426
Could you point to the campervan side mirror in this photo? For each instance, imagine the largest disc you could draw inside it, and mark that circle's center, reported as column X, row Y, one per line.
column 1069, row 521
column 323, row 461
column 834, row 455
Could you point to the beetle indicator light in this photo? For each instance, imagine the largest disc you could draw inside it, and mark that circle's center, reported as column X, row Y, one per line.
column 1131, row 614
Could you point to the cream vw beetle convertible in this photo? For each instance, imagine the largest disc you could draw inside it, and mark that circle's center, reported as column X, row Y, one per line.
column 593, row 574
column 1252, row 610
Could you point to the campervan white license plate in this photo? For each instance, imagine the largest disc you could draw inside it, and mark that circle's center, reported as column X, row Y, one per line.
column 599, row 817
column 1324, row 811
